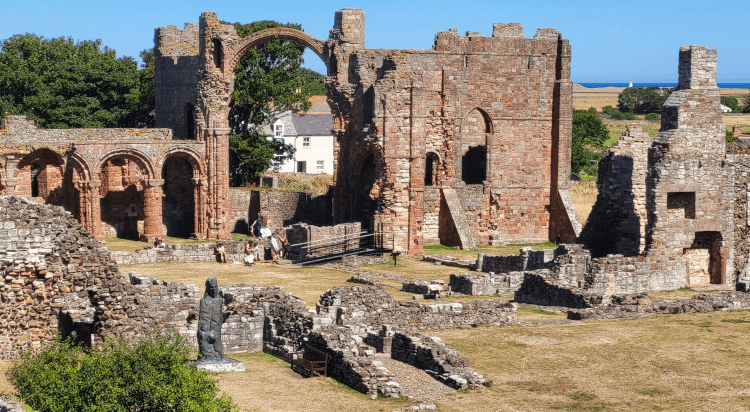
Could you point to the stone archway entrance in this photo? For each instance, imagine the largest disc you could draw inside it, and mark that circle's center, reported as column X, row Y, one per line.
column 179, row 201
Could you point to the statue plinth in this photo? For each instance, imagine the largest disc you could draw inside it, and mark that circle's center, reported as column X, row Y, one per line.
column 222, row 366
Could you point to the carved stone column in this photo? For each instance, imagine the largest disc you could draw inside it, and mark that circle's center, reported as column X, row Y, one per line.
column 199, row 217
column 94, row 202
column 152, row 207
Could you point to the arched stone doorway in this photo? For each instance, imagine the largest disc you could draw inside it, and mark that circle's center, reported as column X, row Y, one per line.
column 124, row 190
column 40, row 174
column 179, row 201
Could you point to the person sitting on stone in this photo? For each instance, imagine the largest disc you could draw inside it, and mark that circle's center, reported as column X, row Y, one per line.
column 162, row 244
column 249, row 254
column 219, row 250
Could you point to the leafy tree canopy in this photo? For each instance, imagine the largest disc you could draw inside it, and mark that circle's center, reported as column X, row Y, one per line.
column 269, row 81
column 59, row 83
column 589, row 135
column 641, row 100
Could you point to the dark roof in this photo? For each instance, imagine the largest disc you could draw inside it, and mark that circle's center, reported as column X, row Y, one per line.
column 313, row 124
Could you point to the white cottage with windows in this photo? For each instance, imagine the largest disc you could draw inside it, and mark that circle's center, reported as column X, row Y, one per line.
column 310, row 134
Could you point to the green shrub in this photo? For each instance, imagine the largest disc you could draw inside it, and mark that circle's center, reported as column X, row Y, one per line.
column 652, row 117
column 153, row 375
column 616, row 114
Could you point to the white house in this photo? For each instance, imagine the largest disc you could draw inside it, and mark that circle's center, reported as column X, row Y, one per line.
column 310, row 134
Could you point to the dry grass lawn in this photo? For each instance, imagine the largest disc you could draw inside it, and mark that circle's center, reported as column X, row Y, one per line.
column 307, row 283
column 693, row 362
column 487, row 250
column 583, row 195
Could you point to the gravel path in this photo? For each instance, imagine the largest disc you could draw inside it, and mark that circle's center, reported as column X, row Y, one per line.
column 416, row 383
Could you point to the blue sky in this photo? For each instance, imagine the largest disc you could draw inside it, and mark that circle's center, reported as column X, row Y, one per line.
column 612, row 41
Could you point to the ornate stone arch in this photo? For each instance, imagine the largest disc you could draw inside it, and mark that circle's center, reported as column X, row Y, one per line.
column 144, row 159
column 232, row 57
column 191, row 155
column 476, row 155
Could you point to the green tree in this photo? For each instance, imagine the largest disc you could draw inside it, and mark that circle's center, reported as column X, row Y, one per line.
column 732, row 103
column 589, row 135
column 641, row 100
column 269, row 81
column 154, row 375
column 313, row 83
column 59, row 83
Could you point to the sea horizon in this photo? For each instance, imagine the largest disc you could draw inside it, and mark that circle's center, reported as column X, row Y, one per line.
column 660, row 84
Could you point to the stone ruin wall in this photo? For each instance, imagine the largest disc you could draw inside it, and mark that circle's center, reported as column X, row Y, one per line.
column 426, row 104
column 617, row 223
column 133, row 183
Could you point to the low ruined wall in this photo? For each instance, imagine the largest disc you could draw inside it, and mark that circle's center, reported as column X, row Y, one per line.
column 440, row 361
column 639, row 305
column 353, row 362
column 190, row 253
column 370, row 307
column 527, row 259
column 486, row 283
column 451, row 261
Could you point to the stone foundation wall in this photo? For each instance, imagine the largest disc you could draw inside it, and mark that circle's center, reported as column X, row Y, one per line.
column 528, row 259
column 440, row 361
column 371, row 307
column 189, row 253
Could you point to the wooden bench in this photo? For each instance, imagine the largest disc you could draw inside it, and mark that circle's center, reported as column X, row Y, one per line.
column 312, row 361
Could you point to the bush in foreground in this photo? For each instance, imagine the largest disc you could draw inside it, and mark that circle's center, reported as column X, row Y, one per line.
column 151, row 376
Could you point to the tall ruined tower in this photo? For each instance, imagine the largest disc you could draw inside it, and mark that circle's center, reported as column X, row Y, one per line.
column 689, row 186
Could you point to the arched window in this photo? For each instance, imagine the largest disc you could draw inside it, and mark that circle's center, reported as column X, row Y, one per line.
column 35, row 170
column 430, row 169
column 475, row 130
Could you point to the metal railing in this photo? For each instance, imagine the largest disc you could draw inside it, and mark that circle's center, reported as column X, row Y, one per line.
column 326, row 250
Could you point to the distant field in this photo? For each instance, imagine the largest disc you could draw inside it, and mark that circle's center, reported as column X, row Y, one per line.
column 584, row 98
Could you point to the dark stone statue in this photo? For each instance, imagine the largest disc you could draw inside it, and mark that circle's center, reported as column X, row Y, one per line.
column 210, row 319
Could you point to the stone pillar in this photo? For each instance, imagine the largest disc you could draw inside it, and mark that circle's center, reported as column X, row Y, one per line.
column 152, row 206
column 95, row 217
column 199, row 200
column 217, row 151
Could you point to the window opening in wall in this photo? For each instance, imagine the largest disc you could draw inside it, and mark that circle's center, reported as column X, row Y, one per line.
column 35, row 169
column 190, row 118
column 681, row 205
column 218, row 52
column 466, row 61
column 306, row 142
column 301, row 167
column 279, row 130
column 475, row 130
column 319, row 166
column 430, row 169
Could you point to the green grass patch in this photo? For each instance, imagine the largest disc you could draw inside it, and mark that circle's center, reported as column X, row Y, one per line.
column 537, row 311
column 582, row 396
column 735, row 321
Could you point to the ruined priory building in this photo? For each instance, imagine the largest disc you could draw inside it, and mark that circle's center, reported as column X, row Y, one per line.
column 465, row 143
column 677, row 202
